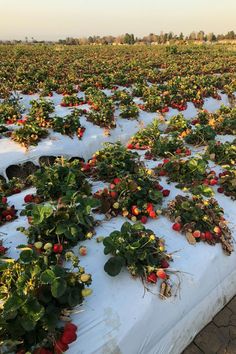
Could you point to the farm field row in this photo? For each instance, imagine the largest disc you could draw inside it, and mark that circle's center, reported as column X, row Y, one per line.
column 160, row 204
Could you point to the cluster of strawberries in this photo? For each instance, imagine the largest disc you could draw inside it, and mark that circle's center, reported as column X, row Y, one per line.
column 7, row 213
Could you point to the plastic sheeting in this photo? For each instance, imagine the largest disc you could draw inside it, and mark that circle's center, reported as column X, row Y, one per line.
column 119, row 317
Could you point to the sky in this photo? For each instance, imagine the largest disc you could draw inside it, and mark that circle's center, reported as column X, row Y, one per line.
column 55, row 19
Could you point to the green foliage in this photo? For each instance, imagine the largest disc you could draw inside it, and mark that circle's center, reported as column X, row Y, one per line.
column 61, row 178
column 33, row 298
column 65, row 223
column 114, row 160
column 136, row 248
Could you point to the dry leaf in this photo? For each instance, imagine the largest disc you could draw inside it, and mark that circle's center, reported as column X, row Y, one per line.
column 191, row 239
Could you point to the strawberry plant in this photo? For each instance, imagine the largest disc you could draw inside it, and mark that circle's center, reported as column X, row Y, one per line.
column 68, row 125
column 177, row 123
column 10, row 111
column 103, row 116
column 227, row 182
column 7, row 213
column 225, row 120
column 145, row 137
column 29, row 134
column 191, row 174
column 71, row 101
column 114, row 161
column 129, row 111
column 102, row 108
column 39, row 112
column 136, row 197
column 62, row 224
column 123, row 97
column 167, row 146
column 200, row 220
column 201, row 135
column 61, row 178
column 142, row 252
column 4, row 131
column 13, row 186
column 35, row 298
column 222, row 153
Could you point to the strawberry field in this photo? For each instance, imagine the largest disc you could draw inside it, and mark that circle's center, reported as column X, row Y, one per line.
column 117, row 196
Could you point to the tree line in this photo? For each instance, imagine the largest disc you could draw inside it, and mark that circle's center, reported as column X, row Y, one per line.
column 129, row 38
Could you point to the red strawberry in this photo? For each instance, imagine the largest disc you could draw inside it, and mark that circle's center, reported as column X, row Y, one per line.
column 162, row 173
column 165, row 192
column 149, row 207
column 135, row 210
column 177, row 226
column 2, row 250
column 68, row 337
column 164, row 263
column 4, row 200
column 144, row 219
column 188, row 152
column 152, row 278
column 161, row 274
column 70, row 326
column 213, row 182
column 58, row 248
column 60, row 347
column 117, row 180
column 166, row 161
column 220, row 190
column 178, row 151
column 208, row 235
column 196, row 234
column 152, row 214
column 159, row 187
column 114, row 194
column 16, row 191
column 28, row 198
column 203, row 235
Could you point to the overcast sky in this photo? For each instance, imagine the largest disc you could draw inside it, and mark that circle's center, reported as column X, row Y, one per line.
column 54, row 19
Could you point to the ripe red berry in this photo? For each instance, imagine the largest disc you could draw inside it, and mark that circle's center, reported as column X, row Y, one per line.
column 152, row 278
column 144, row 219
column 152, row 214
column 177, row 226
column 58, row 248
column 4, row 200
column 70, row 327
column 213, row 182
column 60, row 347
column 114, row 194
column 28, row 198
column 208, row 235
column 165, row 192
column 117, row 180
column 68, row 337
column 164, row 263
column 220, row 190
column 161, row 274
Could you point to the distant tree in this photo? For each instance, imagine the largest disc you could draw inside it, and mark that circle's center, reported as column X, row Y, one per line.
column 211, row 37
column 129, row 38
column 200, row 36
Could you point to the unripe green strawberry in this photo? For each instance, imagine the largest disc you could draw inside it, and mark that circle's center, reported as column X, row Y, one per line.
column 38, row 245
column 47, row 246
column 86, row 292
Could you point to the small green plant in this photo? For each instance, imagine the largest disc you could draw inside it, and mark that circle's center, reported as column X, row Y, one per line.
column 141, row 252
